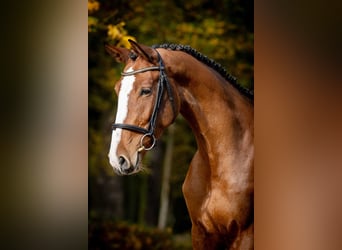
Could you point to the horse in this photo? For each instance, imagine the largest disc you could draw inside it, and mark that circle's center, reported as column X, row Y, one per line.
column 157, row 84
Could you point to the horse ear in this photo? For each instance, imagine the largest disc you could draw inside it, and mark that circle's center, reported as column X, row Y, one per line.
column 119, row 54
column 144, row 51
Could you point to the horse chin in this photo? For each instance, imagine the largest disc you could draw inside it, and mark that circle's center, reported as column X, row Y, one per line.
column 130, row 171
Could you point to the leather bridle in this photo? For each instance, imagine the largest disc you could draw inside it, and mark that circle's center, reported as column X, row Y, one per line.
column 162, row 84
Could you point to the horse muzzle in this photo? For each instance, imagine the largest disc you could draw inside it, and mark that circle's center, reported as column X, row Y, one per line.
column 123, row 165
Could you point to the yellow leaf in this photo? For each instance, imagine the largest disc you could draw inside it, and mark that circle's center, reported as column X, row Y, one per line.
column 93, row 5
column 113, row 32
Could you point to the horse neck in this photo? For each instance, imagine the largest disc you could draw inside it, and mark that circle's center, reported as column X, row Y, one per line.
column 220, row 117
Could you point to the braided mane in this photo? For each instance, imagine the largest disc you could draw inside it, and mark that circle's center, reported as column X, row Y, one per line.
column 209, row 62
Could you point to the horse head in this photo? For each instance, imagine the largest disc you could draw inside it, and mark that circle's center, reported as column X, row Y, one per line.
column 147, row 103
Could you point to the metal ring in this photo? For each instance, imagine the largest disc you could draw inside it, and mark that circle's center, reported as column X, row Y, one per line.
column 142, row 142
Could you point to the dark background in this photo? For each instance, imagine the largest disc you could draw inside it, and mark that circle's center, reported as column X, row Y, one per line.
column 222, row 30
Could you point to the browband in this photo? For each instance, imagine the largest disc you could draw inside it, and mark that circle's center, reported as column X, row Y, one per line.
column 140, row 70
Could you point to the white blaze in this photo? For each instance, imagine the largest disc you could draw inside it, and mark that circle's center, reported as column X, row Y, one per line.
column 125, row 89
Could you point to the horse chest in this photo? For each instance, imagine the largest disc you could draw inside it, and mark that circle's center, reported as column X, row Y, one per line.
column 205, row 202
column 216, row 212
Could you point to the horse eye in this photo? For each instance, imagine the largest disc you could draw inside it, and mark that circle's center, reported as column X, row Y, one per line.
column 145, row 91
column 132, row 55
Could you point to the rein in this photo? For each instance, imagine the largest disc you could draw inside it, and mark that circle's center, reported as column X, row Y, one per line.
column 162, row 83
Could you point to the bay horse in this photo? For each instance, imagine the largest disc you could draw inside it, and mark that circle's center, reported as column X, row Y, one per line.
column 157, row 84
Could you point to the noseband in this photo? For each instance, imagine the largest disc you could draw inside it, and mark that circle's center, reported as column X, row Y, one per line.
column 162, row 83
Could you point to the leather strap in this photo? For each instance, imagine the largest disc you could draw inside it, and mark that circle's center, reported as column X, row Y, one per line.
column 130, row 73
column 130, row 127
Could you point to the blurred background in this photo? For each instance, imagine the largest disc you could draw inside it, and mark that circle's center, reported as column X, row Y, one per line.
column 44, row 122
column 134, row 205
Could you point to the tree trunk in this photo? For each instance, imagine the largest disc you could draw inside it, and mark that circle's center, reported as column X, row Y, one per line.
column 142, row 199
column 165, row 185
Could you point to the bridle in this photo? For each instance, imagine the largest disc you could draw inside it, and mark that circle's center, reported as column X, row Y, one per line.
column 162, row 83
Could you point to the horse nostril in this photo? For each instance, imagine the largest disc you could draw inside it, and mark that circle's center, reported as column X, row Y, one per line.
column 124, row 164
column 122, row 160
